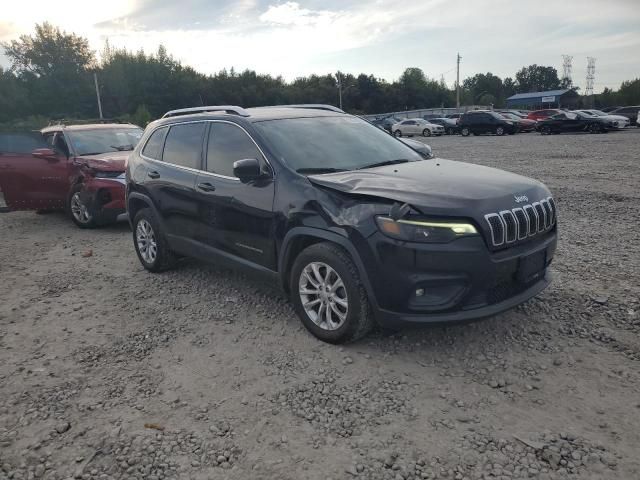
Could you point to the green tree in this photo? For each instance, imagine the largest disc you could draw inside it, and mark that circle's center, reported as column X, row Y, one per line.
column 537, row 78
column 485, row 88
column 55, row 66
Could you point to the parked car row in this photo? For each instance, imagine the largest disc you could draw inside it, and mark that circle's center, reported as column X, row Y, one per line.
column 511, row 121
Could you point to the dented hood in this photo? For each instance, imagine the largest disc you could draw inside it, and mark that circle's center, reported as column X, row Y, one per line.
column 105, row 162
column 437, row 186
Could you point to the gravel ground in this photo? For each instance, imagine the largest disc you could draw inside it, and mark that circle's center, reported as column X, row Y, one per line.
column 107, row 371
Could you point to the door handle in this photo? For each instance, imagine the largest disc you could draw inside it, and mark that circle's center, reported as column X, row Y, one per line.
column 153, row 174
column 206, row 187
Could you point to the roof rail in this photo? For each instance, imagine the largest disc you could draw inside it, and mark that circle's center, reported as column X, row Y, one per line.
column 210, row 108
column 313, row 106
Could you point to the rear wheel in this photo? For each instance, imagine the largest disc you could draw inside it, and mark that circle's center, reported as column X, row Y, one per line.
column 328, row 295
column 149, row 242
column 465, row 131
column 79, row 211
column 397, row 134
column 545, row 130
column 426, row 132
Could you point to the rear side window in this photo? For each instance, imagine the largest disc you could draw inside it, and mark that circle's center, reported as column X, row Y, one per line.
column 183, row 145
column 227, row 144
column 153, row 148
column 21, row 142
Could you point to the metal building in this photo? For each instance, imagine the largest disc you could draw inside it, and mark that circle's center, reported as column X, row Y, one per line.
column 550, row 99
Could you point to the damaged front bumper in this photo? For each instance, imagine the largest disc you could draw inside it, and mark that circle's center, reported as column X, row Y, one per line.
column 454, row 282
column 105, row 197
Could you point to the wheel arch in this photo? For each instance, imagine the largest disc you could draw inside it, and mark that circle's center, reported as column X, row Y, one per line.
column 299, row 238
column 137, row 201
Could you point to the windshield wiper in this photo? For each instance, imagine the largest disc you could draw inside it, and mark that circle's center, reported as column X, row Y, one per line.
column 122, row 148
column 387, row 162
column 319, row 170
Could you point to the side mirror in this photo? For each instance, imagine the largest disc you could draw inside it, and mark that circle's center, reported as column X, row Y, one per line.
column 247, row 169
column 45, row 154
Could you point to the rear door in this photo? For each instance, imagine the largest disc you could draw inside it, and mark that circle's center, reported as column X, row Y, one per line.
column 235, row 218
column 30, row 183
column 175, row 155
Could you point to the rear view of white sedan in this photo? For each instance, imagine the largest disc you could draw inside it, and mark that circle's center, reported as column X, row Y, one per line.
column 416, row 126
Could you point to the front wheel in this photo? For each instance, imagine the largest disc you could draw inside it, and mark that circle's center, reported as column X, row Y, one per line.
column 465, row 132
column 426, row 132
column 328, row 295
column 149, row 242
column 397, row 134
column 545, row 130
column 79, row 211
column 595, row 128
column 499, row 131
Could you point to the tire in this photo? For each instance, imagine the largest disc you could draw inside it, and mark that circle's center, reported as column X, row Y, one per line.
column 397, row 134
column 465, row 131
column 499, row 131
column 332, row 264
column 426, row 132
column 145, row 224
column 595, row 128
column 80, row 213
column 450, row 131
column 545, row 130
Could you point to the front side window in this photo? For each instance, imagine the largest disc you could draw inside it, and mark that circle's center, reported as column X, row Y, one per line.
column 94, row 141
column 227, row 144
column 153, row 148
column 329, row 143
column 183, row 145
column 21, row 142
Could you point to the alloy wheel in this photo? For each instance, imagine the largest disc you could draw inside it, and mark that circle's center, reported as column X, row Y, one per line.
column 79, row 210
column 323, row 296
column 146, row 241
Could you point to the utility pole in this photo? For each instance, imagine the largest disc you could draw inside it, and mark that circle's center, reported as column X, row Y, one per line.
column 95, row 81
column 339, row 82
column 458, row 80
column 566, row 70
column 591, row 75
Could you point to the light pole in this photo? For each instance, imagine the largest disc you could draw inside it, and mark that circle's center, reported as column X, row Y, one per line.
column 339, row 85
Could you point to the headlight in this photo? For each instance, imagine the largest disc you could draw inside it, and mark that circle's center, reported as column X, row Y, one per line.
column 425, row 231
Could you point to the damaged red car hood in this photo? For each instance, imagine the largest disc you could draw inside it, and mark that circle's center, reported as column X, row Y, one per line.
column 105, row 162
column 438, row 185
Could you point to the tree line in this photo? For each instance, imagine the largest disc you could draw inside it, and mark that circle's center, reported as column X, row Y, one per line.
column 52, row 76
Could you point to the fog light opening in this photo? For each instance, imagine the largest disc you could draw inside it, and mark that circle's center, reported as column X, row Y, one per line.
column 419, row 292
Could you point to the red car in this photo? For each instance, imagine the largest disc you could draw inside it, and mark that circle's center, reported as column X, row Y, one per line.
column 77, row 168
column 524, row 124
column 542, row 114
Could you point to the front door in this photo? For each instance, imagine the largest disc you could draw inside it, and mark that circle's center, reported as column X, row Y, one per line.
column 235, row 217
column 32, row 183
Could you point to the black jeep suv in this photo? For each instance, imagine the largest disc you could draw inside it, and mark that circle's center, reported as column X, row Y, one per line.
column 486, row 121
column 354, row 224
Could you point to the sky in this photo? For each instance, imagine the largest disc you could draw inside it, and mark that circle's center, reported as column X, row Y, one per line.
column 379, row 37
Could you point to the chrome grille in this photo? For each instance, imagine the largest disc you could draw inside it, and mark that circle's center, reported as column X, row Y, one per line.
column 509, row 226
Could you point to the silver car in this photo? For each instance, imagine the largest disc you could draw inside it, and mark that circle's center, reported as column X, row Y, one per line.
column 617, row 121
column 416, row 126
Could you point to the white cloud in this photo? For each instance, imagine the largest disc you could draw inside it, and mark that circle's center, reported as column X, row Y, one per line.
column 375, row 36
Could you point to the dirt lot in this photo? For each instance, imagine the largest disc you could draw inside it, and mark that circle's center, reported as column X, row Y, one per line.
column 107, row 371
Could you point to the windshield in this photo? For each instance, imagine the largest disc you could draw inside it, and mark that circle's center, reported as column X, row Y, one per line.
column 510, row 116
column 598, row 113
column 103, row 140
column 313, row 145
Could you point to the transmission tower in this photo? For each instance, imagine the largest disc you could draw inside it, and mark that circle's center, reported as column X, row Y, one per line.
column 566, row 69
column 591, row 75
